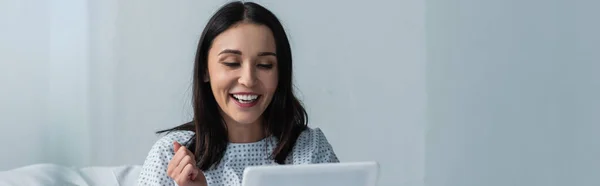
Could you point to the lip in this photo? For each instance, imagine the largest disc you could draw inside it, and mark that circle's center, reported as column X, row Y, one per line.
column 245, row 93
column 245, row 105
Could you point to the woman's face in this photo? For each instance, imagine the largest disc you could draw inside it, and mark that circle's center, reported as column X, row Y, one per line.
column 242, row 71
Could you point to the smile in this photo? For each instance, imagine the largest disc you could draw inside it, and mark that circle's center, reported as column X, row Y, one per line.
column 245, row 100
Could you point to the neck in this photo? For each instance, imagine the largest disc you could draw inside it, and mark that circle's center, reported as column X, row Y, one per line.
column 245, row 133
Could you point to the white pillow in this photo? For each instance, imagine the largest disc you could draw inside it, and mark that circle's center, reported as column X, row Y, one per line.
column 52, row 174
column 118, row 176
column 41, row 174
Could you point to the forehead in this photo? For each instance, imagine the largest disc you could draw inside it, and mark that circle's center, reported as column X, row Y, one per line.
column 246, row 37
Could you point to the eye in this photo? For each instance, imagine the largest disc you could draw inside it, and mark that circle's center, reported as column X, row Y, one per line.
column 231, row 64
column 265, row 66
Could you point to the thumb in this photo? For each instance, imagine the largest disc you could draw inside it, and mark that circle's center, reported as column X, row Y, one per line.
column 176, row 146
column 194, row 174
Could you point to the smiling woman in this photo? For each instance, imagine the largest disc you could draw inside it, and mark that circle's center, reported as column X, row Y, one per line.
column 245, row 111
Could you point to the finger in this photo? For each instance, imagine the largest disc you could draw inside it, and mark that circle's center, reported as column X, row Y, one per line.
column 176, row 146
column 179, row 154
column 194, row 173
column 185, row 161
column 183, row 179
column 188, row 172
column 190, row 153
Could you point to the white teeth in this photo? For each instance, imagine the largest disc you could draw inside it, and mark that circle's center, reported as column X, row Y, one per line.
column 245, row 97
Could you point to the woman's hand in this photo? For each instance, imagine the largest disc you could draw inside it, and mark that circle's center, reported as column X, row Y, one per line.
column 182, row 168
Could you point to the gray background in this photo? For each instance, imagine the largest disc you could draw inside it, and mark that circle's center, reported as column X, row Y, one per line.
column 513, row 93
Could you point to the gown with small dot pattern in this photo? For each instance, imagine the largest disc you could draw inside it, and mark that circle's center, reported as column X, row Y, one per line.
column 311, row 147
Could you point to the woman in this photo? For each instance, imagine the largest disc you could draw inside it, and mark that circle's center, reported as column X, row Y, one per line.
column 245, row 111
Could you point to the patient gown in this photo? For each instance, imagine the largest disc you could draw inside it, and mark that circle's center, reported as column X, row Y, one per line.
column 310, row 148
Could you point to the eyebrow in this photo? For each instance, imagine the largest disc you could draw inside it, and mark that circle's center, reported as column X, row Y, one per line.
column 237, row 52
column 267, row 54
column 230, row 51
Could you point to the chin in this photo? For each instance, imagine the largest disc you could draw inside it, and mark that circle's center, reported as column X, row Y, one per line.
column 245, row 120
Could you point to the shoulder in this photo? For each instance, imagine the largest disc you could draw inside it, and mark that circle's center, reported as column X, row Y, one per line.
column 164, row 145
column 310, row 136
column 313, row 147
column 181, row 137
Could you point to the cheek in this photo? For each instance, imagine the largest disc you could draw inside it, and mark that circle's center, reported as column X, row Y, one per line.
column 270, row 81
column 220, row 81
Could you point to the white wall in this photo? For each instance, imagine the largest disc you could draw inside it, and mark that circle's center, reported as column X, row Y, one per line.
column 43, row 75
column 22, row 102
column 513, row 93
column 360, row 72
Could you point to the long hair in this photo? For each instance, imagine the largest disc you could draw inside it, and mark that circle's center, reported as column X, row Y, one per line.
column 284, row 118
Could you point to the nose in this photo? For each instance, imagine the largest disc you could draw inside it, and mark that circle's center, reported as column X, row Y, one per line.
column 248, row 76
